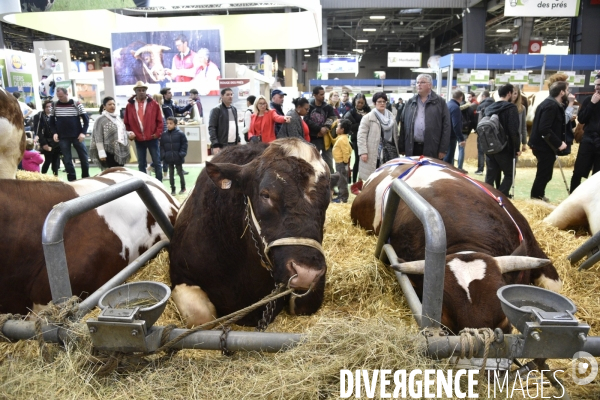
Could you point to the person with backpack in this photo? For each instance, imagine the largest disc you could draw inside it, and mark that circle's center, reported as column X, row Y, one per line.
column 498, row 137
column 319, row 119
column 548, row 136
column 248, row 116
column 486, row 101
column 69, row 124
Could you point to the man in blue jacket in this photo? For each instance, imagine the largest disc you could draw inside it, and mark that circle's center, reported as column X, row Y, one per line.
column 456, row 135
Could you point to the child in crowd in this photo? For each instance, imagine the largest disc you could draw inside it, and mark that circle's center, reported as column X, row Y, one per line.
column 31, row 159
column 341, row 155
column 173, row 149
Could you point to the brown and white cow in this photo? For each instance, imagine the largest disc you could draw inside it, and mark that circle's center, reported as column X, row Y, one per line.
column 98, row 243
column 581, row 208
column 139, row 62
column 474, row 222
column 248, row 197
column 12, row 135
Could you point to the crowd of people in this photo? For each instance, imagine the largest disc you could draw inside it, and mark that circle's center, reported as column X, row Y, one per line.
column 339, row 127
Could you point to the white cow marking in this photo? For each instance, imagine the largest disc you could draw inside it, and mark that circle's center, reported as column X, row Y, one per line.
column 303, row 150
column 10, row 151
column 422, row 178
column 546, row 283
column 466, row 272
column 127, row 216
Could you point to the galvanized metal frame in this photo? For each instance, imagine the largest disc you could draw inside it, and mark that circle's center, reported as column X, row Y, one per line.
column 590, row 248
column 429, row 313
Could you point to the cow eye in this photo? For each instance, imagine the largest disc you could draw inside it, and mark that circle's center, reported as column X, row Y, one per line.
column 264, row 194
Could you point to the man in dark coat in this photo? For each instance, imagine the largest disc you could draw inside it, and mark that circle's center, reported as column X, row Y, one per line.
column 548, row 136
column 502, row 162
column 277, row 105
column 425, row 123
column 588, row 155
column 456, row 135
column 222, row 124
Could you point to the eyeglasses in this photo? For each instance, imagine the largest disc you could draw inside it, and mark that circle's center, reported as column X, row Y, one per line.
column 262, row 104
column 380, row 102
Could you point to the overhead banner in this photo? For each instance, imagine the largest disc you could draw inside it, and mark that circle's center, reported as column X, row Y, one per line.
column 21, row 73
column 53, row 59
column 481, row 77
column 338, row 65
column 181, row 60
column 541, row 8
column 463, row 79
column 408, row 60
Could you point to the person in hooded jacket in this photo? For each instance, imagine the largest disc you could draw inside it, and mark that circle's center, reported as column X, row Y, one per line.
column 486, row 101
column 173, row 149
column 502, row 162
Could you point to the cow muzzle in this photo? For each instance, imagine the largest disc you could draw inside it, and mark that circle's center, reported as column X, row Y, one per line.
column 302, row 276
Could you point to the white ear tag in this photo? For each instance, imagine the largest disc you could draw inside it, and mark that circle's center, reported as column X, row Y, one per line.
column 225, row 184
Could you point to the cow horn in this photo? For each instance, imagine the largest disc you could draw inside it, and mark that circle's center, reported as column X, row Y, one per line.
column 147, row 48
column 411, row 267
column 518, row 263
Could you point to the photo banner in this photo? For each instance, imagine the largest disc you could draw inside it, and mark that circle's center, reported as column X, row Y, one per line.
column 21, row 74
column 338, row 65
column 53, row 59
column 180, row 60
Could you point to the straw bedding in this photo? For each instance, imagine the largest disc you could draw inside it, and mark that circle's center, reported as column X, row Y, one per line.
column 364, row 324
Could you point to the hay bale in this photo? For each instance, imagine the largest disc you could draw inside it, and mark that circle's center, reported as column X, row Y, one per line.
column 364, row 324
column 528, row 160
column 35, row 176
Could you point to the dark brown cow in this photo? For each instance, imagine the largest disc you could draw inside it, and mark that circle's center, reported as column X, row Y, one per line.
column 139, row 62
column 474, row 222
column 12, row 135
column 246, row 197
column 98, row 243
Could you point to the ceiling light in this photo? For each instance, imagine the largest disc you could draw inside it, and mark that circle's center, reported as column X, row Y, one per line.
column 307, row 55
column 411, row 11
column 537, row 20
column 225, row 5
column 561, row 41
column 456, row 49
column 377, row 17
column 401, row 22
column 358, row 50
column 457, row 16
column 362, row 41
column 369, row 29
column 421, row 36
column 502, row 30
column 306, row 50
column 250, row 51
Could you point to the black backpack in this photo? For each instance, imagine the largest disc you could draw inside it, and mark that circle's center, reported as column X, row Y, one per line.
column 491, row 138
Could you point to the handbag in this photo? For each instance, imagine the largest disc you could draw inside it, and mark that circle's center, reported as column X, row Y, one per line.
column 256, row 139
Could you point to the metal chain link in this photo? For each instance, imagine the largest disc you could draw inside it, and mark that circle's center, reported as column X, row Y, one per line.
column 264, row 262
column 223, row 341
column 267, row 315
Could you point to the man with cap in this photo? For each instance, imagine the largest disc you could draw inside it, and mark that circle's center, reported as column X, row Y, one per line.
column 276, row 104
column 144, row 119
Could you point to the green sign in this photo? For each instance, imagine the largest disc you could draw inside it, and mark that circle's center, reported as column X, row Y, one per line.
column 463, row 79
column 21, row 80
column 480, row 77
column 535, row 79
column 502, row 79
column 570, row 74
column 578, row 81
column 3, row 72
column 518, row 77
column 593, row 75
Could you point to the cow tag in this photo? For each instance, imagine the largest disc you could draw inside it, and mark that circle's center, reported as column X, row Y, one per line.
column 225, row 184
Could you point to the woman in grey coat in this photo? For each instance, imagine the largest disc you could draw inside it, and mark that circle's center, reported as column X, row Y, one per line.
column 377, row 137
column 297, row 127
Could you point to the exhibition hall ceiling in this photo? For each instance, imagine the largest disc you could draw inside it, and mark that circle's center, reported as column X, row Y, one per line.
column 401, row 29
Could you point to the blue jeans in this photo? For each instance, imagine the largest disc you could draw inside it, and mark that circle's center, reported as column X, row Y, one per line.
column 461, row 157
column 449, row 157
column 152, row 146
column 65, row 148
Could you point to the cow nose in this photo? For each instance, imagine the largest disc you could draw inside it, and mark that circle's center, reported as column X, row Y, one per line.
column 305, row 276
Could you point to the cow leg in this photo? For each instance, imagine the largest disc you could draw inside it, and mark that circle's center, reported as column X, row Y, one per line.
column 193, row 305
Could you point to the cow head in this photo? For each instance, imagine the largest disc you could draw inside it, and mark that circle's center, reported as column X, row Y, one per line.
column 151, row 57
column 470, row 285
column 286, row 190
column 48, row 62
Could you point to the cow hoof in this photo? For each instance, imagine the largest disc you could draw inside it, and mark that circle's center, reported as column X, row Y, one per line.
column 193, row 305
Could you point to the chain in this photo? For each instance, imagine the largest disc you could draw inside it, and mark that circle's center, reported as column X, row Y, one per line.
column 267, row 316
column 223, row 341
column 263, row 262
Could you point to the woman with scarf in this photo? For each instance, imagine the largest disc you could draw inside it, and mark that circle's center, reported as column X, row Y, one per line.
column 357, row 112
column 377, row 137
column 109, row 146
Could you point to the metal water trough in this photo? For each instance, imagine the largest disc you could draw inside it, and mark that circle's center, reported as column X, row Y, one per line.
column 60, row 286
column 540, row 328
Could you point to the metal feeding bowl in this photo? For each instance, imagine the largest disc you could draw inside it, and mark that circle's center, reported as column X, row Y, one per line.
column 150, row 297
column 521, row 303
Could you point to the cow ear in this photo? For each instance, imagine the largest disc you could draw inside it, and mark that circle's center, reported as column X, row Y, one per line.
column 224, row 175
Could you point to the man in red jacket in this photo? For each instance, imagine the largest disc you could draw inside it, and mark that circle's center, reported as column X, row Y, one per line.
column 144, row 119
